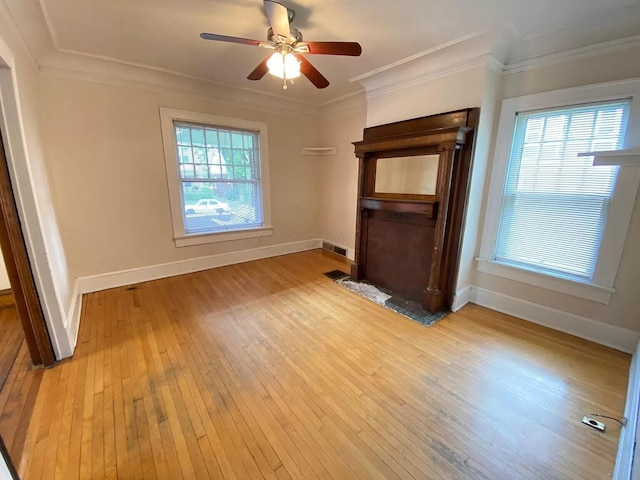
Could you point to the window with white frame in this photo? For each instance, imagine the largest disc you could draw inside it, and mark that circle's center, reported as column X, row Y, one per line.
column 555, row 202
column 553, row 219
column 216, row 170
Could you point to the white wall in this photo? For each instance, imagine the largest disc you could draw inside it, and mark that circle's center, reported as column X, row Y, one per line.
column 19, row 96
column 623, row 308
column 104, row 155
column 339, row 173
column 477, row 194
column 453, row 92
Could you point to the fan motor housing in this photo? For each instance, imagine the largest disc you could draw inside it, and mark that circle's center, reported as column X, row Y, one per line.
column 296, row 35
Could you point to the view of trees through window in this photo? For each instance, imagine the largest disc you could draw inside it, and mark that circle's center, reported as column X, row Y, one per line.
column 220, row 173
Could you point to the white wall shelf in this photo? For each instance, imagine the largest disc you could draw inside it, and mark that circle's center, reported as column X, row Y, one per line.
column 319, row 151
column 625, row 158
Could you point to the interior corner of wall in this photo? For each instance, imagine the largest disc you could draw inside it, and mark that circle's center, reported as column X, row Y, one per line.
column 461, row 298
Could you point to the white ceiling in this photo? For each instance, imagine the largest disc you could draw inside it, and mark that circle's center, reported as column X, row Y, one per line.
column 164, row 34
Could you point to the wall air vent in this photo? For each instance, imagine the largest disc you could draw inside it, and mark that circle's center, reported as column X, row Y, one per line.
column 334, row 248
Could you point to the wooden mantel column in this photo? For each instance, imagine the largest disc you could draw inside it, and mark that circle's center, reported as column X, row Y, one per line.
column 357, row 267
column 433, row 299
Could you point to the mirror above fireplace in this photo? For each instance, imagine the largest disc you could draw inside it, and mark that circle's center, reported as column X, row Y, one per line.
column 415, row 175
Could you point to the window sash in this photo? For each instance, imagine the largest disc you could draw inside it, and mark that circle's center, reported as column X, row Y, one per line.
column 555, row 204
column 225, row 156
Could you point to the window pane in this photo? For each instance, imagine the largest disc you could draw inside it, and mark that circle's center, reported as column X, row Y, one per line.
column 236, row 140
column 202, row 171
column 182, row 136
column 213, row 155
column 197, row 137
column 226, row 156
column 199, row 155
column 218, row 172
column 222, row 167
column 555, row 203
column 213, row 206
column 187, row 171
column 225, row 139
column 212, row 138
column 185, row 155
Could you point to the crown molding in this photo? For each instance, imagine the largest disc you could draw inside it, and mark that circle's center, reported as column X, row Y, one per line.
column 602, row 48
column 464, row 53
column 106, row 71
column 346, row 105
column 49, row 23
column 6, row 13
column 420, row 55
column 487, row 61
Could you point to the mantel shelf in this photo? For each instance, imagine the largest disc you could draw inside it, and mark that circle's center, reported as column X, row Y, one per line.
column 627, row 158
column 430, row 209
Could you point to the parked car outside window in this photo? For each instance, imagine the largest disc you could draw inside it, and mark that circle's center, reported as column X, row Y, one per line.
column 209, row 206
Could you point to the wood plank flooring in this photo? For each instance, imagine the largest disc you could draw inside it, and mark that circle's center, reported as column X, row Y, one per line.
column 11, row 337
column 19, row 382
column 270, row 370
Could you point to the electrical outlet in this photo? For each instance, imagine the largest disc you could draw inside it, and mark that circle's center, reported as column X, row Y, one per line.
column 593, row 423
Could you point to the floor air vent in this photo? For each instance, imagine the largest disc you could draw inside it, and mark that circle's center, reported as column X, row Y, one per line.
column 334, row 248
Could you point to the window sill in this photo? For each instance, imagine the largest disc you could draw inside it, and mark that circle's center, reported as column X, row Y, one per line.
column 587, row 291
column 202, row 238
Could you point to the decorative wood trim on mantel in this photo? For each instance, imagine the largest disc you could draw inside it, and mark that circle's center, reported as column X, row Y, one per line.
column 440, row 138
column 430, row 209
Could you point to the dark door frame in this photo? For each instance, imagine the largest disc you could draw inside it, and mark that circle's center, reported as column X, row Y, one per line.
column 16, row 259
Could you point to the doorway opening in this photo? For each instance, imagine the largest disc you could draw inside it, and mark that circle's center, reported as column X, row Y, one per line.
column 25, row 342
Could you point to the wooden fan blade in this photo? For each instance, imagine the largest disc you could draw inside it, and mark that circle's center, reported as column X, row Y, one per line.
column 224, row 38
column 312, row 73
column 352, row 49
column 260, row 71
column 278, row 18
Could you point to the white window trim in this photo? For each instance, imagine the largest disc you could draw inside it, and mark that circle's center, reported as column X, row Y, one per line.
column 182, row 239
column 620, row 209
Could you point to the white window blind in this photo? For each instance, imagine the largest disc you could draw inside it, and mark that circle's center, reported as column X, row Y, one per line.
column 555, row 203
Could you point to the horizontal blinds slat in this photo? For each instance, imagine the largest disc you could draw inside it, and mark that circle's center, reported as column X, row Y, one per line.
column 555, row 203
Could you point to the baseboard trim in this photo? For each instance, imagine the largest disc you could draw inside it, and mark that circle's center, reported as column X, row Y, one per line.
column 72, row 322
column 609, row 335
column 629, row 434
column 105, row 281
column 461, row 298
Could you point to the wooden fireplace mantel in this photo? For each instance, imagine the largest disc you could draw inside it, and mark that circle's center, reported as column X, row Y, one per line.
column 409, row 242
column 440, row 138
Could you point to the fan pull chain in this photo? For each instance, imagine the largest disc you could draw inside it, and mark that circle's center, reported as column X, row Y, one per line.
column 284, row 73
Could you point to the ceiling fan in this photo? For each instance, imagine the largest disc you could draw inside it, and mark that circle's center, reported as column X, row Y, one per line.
column 287, row 62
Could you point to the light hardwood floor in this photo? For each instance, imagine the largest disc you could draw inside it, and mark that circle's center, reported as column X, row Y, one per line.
column 19, row 381
column 270, row 370
column 11, row 337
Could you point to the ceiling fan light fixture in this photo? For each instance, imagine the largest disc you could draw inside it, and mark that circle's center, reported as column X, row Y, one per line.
column 284, row 65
